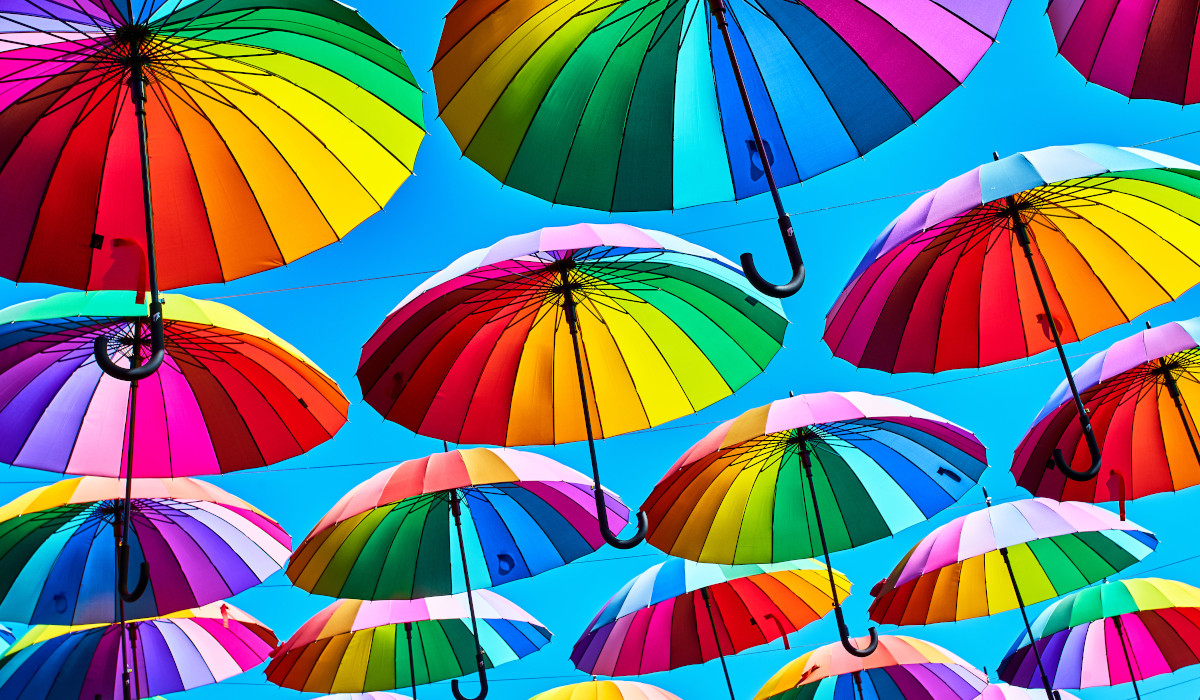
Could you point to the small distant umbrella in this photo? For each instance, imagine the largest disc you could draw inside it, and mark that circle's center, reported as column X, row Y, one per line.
column 903, row 668
column 178, row 652
column 815, row 473
column 1107, row 233
column 606, row 690
column 356, row 646
column 656, row 622
column 1139, row 49
column 199, row 543
column 1116, row 632
column 1006, row 557
column 1138, row 396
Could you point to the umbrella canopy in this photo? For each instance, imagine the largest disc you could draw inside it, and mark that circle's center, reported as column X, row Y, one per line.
column 1113, row 633
column 879, row 465
column 606, row 690
column 201, row 544
column 479, row 353
column 275, row 127
column 633, row 105
column 231, row 395
column 1137, row 395
column 666, row 616
column 393, row 536
column 956, row 572
column 1004, row 691
column 174, row 653
column 354, row 646
column 1139, row 49
column 902, row 668
column 1113, row 232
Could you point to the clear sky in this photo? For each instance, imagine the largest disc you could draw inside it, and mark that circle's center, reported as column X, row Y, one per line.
column 1022, row 96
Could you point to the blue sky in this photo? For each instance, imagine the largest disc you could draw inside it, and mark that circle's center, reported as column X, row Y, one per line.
column 1022, row 96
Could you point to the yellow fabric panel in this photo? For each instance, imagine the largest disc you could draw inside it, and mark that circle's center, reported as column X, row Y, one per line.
column 999, row 590
column 620, row 402
column 659, row 389
column 535, row 389
column 1089, row 298
column 487, row 467
column 760, row 512
column 973, row 589
column 722, row 543
column 352, row 669
column 750, row 424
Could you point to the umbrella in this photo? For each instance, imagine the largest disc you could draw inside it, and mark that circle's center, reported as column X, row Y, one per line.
column 656, row 621
column 637, row 105
column 606, row 690
column 1139, row 49
column 266, row 129
column 177, row 652
column 1113, row 633
column 873, row 465
column 1004, row 691
column 1007, row 556
column 357, row 646
column 1136, row 395
column 903, row 668
column 1113, row 231
column 655, row 328
column 200, row 544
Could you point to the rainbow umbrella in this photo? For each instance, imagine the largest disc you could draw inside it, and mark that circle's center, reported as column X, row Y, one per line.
column 357, row 646
column 1136, row 395
column 199, row 543
column 636, row 105
column 903, row 668
column 873, row 465
column 1139, row 49
column 606, row 690
column 656, row 622
column 1114, row 633
column 176, row 652
column 568, row 333
column 1007, row 556
column 1114, row 231
column 266, row 130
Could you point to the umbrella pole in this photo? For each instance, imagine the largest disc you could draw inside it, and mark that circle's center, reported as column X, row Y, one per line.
column 1037, row 655
column 1128, row 662
column 806, row 460
column 857, row 676
column 126, row 595
column 462, row 550
column 785, row 222
column 1022, row 234
column 412, row 664
column 1166, row 370
column 643, row 524
column 717, row 638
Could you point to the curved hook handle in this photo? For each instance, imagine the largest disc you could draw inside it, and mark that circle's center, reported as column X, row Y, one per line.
column 643, row 524
column 483, row 684
column 158, row 351
column 779, row 291
column 123, row 576
column 847, row 643
column 1093, row 447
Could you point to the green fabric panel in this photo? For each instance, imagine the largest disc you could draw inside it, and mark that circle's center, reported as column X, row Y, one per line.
column 451, row 651
column 840, row 492
column 431, row 562
column 1060, row 558
column 19, row 539
column 792, row 537
column 755, row 543
column 314, row 9
column 764, row 321
column 362, row 572
column 1093, row 555
column 381, row 672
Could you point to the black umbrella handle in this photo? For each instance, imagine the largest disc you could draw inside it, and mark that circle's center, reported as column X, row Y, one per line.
column 643, row 522
column 158, row 351
column 848, row 641
column 123, row 575
column 779, row 291
column 483, row 683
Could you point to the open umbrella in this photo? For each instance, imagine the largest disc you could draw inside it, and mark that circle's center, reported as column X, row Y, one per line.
column 1007, row 556
column 266, row 130
column 178, row 652
column 199, row 543
column 656, row 622
column 1139, row 49
column 903, row 668
column 356, row 646
column 755, row 488
column 1107, row 233
column 1136, row 394
column 566, row 334
column 1116, row 632
column 606, row 690
column 637, row 105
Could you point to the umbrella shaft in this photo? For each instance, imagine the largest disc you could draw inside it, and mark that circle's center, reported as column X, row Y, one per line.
column 412, row 664
column 1173, row 390
column 1128, row 662
column 717, row 639
column 573, row 326
column 462, row 550
column 1037, row 655
column 806, row 460
column 137, row 93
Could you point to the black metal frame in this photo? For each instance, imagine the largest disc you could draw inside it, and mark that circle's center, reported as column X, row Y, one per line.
column 717, row 639
column 456, row 509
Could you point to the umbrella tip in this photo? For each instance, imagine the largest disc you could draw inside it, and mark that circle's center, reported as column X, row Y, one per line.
column 1148, row 326
column 995, row 155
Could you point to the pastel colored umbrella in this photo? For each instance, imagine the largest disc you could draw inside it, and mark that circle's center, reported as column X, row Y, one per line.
column 566, row 334
column 1007, row 556
column 637, row 105
column 1116, row 632
column 199, row 543
column 356, row 646
column 1137, row 396
column 1004, row 691
column 680, row 613
column 169, row 654
column 903, row 668
column 606, row 690
column 1139, row 49
column 266, row 130
column 1107, row 233
column 872, row 465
